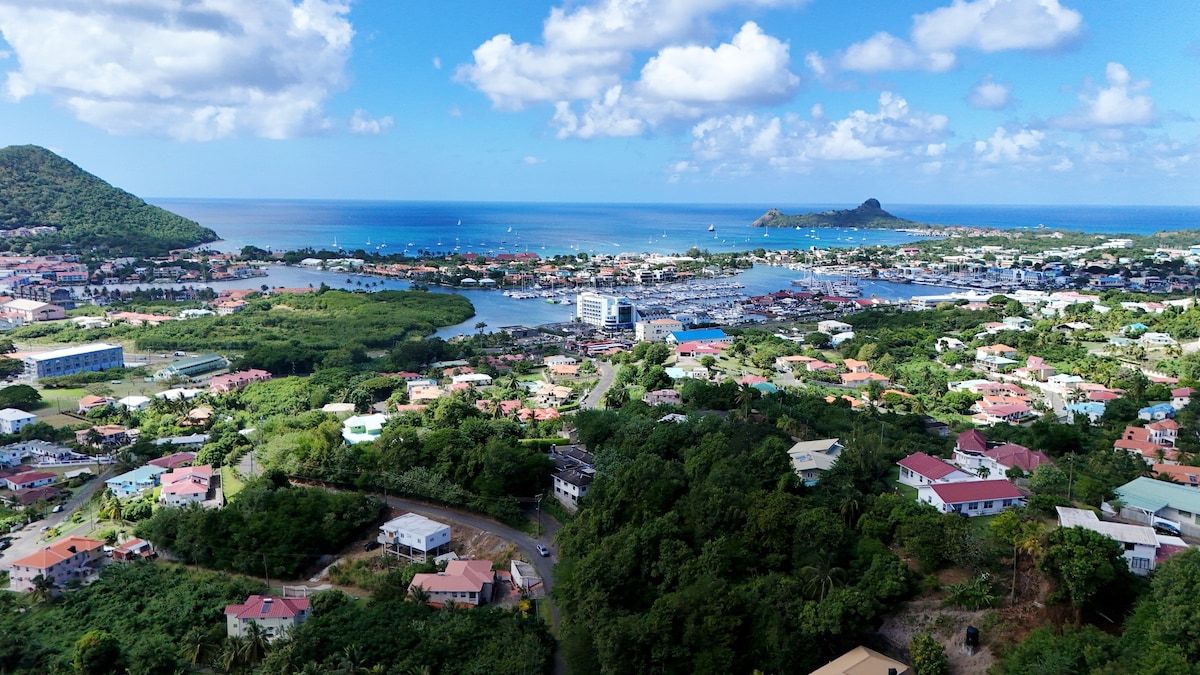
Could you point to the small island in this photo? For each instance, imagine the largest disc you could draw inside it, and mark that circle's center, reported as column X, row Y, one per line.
column 868, row 215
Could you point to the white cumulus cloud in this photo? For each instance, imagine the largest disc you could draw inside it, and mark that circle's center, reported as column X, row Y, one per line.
column 987, row 94
column 1120, row 104
column 1024, row 145
column 189, row 70
column 983, row 25
column 789, row 142
column 581, row 66
column 362, row 123
column 181, row 69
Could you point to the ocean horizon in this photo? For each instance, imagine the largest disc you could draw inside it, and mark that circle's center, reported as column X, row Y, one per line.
column 548, row 228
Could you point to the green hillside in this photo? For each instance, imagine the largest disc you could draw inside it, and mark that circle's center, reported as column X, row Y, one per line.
column 868, row 215
column 40, row 189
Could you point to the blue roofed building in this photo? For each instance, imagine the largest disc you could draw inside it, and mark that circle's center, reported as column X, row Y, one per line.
column 699, row 335
column 1159, row 411
column 1092, row 410
column 134, row 483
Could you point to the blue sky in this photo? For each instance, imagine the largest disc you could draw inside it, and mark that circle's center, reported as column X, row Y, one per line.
column 746, row 101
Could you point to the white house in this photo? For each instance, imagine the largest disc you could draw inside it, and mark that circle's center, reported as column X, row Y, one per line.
column 185, row 485
column 134, row 403
column 811, row 459
column 559, row 360
column 13, row 420
column 944, row 344
column 832, row 327
column 971, row 498
column 473, row 379
column 363, row 428
column 414, row 536
column 921, row 469
column 275, row 616
column 1139, row 541
column 1151, row 340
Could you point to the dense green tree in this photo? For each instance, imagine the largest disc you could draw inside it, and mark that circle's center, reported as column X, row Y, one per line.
column 20, row 396
column 97, row 652
column 928, row 656
column 1082, row 562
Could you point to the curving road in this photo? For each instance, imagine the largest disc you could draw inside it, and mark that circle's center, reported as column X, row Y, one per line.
column 608, row 374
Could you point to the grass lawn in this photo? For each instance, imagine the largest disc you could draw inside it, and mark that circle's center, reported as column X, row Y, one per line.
column 902, row 489
column 230, row 482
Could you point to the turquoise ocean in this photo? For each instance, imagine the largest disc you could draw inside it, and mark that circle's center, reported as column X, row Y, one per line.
column 390, row 227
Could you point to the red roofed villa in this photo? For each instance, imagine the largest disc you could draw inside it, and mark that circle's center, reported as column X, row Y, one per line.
column 275, row 616
column 465, row 582
column 921, row 469
column 971, row 498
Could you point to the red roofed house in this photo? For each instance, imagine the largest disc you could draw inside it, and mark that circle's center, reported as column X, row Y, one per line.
column 1164, row 432
column 1008, row 413
column 134, row 549
column 1184, row 475
column 662, row 397
column 698, row 349
column 274, row 616
column 173, row 460
column 222, row 384
column 863, row 378
column 92, row 401
column 921, row 469
column 185, row 485
column 1138, row 440
column 1010, row 455
column 1181, row 396
column 465, row 582
column 29, row 480
column 856, row 366
column 56, row 562
column 971, row 498
column 970, row 441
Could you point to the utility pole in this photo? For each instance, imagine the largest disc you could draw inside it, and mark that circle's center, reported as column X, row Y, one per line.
column 539, row 514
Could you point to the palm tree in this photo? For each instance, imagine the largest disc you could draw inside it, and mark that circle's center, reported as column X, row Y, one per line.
column 744, row 400
column 419, row 595
column 230, row 660
column 196, row 649
column 616, row 396
column 822, row 576
column 43, row 589
column 256, row 644
column 480, row 326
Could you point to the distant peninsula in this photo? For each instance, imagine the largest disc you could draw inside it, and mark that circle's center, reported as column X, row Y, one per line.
column 869, row 215
column 48, row 204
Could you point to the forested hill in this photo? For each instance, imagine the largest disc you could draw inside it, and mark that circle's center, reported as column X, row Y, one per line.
column 869, row 214
column 39, row 189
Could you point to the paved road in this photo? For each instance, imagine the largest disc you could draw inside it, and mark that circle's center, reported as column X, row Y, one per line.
column 30, row 539
column 608, row 375
column 524, row 543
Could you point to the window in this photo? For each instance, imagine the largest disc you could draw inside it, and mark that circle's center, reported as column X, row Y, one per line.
column 1128, row 546
column 1139, row 563
column 972, row 506
column 988, row 505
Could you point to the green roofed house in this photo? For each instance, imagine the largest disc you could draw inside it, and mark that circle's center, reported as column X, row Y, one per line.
column 1165, row 506
column 192, row 366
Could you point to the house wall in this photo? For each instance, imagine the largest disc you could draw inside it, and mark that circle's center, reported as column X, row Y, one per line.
column 971, row 509
column 458, row 597
column 272, row 626
column 1139, row 557
column 568, row 494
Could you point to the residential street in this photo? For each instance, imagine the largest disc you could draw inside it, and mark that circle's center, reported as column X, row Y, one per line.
column 29, row 539
column 596, row 395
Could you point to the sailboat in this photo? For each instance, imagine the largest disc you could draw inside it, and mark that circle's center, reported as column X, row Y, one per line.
column 335, row 243
column 368, row 241
column 510, row 228
column 712, row 228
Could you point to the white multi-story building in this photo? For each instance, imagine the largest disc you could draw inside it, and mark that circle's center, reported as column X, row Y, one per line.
column 1139, row 541
column 609, row 312
column 13, row 420
column 656, row 330
column 414, row 536
column 84, row 358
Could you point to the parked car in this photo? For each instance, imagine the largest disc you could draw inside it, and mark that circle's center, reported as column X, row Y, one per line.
column 57, row 508
column 543, row 551
column 180, row 353
column 371, row 545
